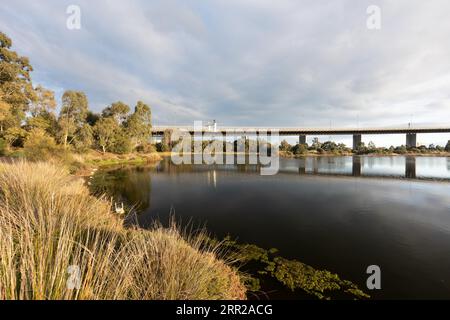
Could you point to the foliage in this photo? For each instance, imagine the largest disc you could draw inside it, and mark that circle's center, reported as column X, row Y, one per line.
column 15, row 136
column 138, row 125
column 121, row 143
column 84, row 139
column 285, row 146
column 40, row 146
column 73, row 114
column 105, row 131
column 16, row 90
column 117, row 110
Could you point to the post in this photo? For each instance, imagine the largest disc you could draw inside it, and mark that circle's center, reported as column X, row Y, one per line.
column 302, row 139
column 356, row 141
column 411, row 140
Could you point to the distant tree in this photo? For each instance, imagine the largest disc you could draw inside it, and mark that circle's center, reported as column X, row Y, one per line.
column 42, row 112
column 371, row 146
column 92, row 118
column 105, row 131
column 166, row 141
column 84, row 139
column 139, row 124
column 44, row 101
column 16, row 89
column 315, row 143
column 447, row 146
column 285, row 146
column 118, row 110
column 300, row 149
column 361, row 148
column 328, row 146
column 73, row 114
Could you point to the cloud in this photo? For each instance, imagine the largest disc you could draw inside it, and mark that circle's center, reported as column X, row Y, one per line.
column 279, row 63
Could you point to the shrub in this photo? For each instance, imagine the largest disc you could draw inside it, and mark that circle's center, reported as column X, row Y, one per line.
column 146, row 148
column 39, row 146
column 121, row 144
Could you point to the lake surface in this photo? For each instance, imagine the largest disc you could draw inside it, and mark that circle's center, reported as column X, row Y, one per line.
column 336, row 213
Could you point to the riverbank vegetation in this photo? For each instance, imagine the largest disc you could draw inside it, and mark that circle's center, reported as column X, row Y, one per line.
column 54, row 235
column 31, row 129
column 332, row 148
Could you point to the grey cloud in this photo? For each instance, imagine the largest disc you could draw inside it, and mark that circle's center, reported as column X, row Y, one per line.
column 245, row 63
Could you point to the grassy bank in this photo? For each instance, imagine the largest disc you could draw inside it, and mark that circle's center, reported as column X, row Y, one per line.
column 49, row 222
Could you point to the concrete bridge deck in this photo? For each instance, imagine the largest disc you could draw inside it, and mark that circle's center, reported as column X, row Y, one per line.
column 292, row 131
column 410, row 131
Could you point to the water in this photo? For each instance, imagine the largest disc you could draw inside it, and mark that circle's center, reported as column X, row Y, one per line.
column 337, row 213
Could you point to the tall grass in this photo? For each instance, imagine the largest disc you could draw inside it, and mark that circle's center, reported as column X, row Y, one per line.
column 49, row 222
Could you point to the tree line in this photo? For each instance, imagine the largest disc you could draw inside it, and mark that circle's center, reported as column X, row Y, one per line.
column 28, row 115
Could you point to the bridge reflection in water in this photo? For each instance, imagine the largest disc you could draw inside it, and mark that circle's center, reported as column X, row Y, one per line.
column 357, row 164
column 315, row 165
column 410, row 167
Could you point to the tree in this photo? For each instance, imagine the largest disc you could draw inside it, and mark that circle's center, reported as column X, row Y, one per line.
column 329, row 146
column 84, row 139
column 44, row 101
column 16, row 89
column 139, row 124
column 42, row 111
column 105, row 131
column 118, row 110
column 15, row 136
column 447, row 146
column 73, row 114
column 371, row 146
column 285, row 146
column 92, row 118
column 166, row 141
column 315, row 143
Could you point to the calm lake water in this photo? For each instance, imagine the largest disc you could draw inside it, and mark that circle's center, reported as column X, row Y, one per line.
column 336, row 213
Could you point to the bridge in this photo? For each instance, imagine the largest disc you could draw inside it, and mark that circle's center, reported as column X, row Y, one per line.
column 410, row 131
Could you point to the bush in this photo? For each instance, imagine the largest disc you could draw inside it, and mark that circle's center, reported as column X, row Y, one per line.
column 39, row 146
column 146, row 148
column 121, row 145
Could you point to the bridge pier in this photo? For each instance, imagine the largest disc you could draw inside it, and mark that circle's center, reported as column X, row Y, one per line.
column 356, row 141
column 356, row 166
column 410, row 167
column 302, row 139
column 411, row 140
column 302, row 165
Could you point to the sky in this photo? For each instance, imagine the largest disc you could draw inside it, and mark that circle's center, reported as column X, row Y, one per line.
column 266, row 63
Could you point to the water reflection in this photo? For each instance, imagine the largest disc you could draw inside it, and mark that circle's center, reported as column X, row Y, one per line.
column 409, row 167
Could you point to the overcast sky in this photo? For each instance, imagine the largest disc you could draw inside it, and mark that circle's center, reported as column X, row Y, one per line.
column 246, row 62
